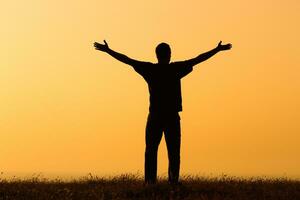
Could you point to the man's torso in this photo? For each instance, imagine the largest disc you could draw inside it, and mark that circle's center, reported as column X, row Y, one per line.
column 164, row 85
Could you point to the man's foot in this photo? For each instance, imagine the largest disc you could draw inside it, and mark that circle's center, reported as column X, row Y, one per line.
column 175, row 183
column 149, row 183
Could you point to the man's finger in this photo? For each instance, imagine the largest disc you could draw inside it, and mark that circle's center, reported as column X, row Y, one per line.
column 220, row 42
column 105, row 42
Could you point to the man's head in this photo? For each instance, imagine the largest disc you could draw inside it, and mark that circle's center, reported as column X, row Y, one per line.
column 163, row 53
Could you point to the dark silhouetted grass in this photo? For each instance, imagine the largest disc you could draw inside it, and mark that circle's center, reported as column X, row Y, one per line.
column 130, row 186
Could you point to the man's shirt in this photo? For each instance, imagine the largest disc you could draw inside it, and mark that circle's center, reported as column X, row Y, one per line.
column 164, row 84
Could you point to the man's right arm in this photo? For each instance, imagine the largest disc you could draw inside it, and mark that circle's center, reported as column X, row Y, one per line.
column 120, row 57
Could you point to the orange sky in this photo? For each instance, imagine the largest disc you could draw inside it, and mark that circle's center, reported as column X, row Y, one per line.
column 64, row 108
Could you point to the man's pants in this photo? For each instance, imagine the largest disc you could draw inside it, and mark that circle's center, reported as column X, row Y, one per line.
column 156, row 125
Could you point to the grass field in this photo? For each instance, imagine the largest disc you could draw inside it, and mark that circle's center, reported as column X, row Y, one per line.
column 130, row 186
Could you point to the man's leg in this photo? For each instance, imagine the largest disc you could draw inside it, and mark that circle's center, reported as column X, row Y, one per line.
column 153, row 137
column 172, row 136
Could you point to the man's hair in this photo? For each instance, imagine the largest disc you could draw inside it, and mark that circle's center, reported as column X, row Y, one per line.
column 162, row 51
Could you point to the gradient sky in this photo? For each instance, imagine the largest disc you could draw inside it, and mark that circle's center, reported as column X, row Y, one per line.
column 66, row 108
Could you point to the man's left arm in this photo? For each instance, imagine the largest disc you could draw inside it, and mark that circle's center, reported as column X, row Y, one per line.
column 204, row 56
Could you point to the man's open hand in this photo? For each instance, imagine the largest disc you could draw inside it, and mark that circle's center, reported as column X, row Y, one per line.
column 101, row 47
column 222, row 47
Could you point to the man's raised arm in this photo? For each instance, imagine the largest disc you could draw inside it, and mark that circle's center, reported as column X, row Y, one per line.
column 207, row 55
column 121, row 57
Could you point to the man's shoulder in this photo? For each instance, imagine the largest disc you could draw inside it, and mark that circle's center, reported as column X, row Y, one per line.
column 179, row 63
column 144, row 63
column 143, row 67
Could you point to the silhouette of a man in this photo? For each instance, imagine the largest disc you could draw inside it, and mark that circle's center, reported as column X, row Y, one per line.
column 163, row 80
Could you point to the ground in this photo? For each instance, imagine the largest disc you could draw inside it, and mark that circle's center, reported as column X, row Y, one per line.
column 131, row 186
